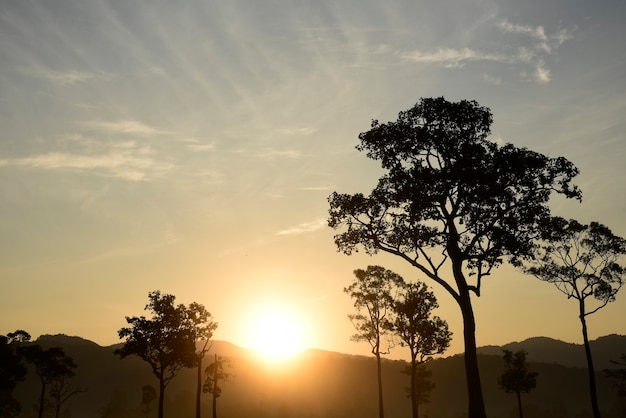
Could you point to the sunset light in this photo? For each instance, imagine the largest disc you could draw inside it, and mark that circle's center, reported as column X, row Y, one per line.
column 275, row 333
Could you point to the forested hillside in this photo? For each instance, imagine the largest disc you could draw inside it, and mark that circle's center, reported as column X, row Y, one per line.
column 326, row 384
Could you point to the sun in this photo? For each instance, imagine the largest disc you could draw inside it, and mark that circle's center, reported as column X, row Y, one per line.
column 275, row 333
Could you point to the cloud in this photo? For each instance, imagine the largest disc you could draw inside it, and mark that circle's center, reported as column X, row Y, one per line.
column 451, row 57
column 122, row 165
column 306, row 130
column 278, row 153
column 125, row 127
column 534, row 53
column 64, row 78
column 312, row 226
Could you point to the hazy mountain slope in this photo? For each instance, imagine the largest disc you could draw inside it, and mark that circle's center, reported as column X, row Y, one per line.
column 326, row 384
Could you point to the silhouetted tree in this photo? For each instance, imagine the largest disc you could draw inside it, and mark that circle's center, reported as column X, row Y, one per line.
column 619, row 375
column 423, row 335
column 215, row 373
column 516, row 377
column 62, row 389
column 51, row 365
column 201, row 327
column 148, row 394
column 12, row 371
column 452, row 204
column 420, row 387
column 373, row 292
column 163, row 341
column 582, row 262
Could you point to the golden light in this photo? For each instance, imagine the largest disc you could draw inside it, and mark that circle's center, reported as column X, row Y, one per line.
column 275, row 333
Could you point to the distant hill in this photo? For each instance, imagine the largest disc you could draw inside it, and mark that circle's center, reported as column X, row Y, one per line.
column 548, row 350
column 325, row 384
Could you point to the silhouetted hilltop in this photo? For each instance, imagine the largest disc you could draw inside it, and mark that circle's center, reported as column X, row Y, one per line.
column 319, row 383
column 548, row 350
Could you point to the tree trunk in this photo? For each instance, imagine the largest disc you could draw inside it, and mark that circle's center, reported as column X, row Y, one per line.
column 199, row 386
column 381, row 409
column 161, row 396
column 476, row 405
column 519, row 404
column 215, row 387
column 592, row 377
column 414, row 402
column 42, row 398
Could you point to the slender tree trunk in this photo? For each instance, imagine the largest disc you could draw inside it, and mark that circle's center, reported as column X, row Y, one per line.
column 381, row 409
column 414, row 403
column 161, row 396
column 519, row 404
column 199, row 386
column 215, row 387
column 592, row 377
column 42, row 397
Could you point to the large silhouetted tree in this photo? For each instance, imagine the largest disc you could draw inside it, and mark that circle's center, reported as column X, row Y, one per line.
column 51, row 365
column 201, row 327
column 452, row 204
column 373, row 292
column 423, row 335
column 12, row 371
column 164, row 341
column 516, row 377
column 582, row 261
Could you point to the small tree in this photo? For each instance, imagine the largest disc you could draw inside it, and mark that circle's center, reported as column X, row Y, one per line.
column 148, row 394
column 516, row 377
column 163, row 341
column 215, row 373
column 62, row 389
column 423, row 335
column 619, row 375
column 421, row 385
column 373, row 293
column 52, row 365
column 582, row 262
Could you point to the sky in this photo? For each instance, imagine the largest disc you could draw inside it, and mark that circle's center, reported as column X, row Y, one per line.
column 190, row 147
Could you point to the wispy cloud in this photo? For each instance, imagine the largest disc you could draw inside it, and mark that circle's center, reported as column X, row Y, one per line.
column 451, row 57
column 302, row 131
column 312, row 226
column 280, row 153
column 125, row 127
column 129, row 164
column 541, row 46
column 64, row 78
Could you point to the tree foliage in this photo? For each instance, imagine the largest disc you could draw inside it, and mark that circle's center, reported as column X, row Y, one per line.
column 452, row 204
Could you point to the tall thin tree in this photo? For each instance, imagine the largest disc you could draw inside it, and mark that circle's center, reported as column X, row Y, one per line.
column 582, row 261
column 373, row 292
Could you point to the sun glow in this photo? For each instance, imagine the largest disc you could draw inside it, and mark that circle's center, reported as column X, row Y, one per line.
column 275, row 333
